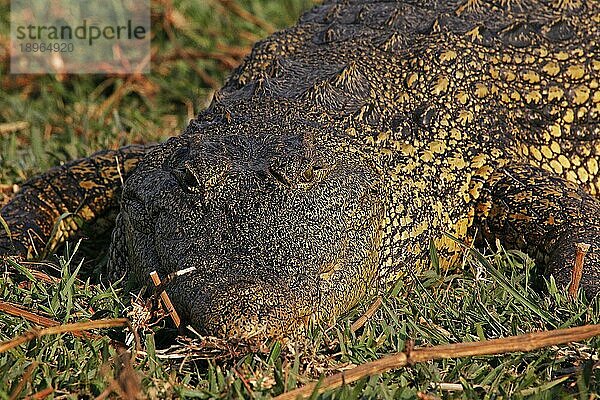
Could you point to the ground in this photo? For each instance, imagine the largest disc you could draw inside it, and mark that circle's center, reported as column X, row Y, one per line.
column 46, row 120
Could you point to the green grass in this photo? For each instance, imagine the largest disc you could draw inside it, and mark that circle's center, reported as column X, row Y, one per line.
column 487, row 297
column 474, row 304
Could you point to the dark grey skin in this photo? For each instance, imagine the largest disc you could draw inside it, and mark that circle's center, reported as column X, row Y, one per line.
column 341, row 149
column 255, row 217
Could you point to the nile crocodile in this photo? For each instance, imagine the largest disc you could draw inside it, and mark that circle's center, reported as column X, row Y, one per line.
column 341, row 150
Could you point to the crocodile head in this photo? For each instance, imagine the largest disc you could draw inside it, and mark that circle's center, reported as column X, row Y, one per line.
column 267, row 222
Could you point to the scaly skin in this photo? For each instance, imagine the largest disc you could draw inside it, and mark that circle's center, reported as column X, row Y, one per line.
column 52, row 208
column 345, row 145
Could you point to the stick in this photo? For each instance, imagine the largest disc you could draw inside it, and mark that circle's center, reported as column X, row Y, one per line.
column 526, row 342
column 72, row 328
column 13, row 126
column 365, row 317
column 24, row 379
column 166, row 300
column 248, row 16
column 581, row 250
column 42, row 394
column 13, row 309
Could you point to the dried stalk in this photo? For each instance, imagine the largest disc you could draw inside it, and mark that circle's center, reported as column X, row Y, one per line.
column 581, row 250
column 66, row 328
column 248, row 16
column 526, row 342
column 166, row 300
column 24, row 379
column 366, row 316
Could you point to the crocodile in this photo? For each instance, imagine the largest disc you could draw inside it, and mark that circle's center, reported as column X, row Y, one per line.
column 341, row 152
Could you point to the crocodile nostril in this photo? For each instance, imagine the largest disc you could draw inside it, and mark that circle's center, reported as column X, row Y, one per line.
column 279, row 177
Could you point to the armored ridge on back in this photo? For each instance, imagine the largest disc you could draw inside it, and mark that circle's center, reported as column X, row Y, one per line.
column 340, row 150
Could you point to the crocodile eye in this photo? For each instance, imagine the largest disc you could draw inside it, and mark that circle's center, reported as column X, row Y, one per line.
column 187, row 179
column 190, row 180
column 308, row 175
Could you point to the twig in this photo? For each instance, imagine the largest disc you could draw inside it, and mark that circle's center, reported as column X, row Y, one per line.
column 42, row 394
column 366, row 316
column 13, row 126
column 166, row 300
column 452, row 387
column 245, row 383
column 425, row 396
column 17, row 311
column 24, row 379
column 526, row 342
column 581, row 250
column 66, row 328
column 248, row 16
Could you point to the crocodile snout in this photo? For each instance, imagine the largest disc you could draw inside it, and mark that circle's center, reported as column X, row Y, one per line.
column 248, row 308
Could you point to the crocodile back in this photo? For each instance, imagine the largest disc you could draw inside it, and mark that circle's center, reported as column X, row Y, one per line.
column 437, row 95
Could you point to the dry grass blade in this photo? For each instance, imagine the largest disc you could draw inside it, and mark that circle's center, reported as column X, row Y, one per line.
column 366, row 316
column 581, row 250
column 8, row 127
column 527, row 342
column 24, row 379
column 209, row 80
column 244, row 382
column 42, row 394
column 44, row 277
column 248, row 16
column 32, row 267
column 226, row 60
column 425, row 396
column 114, row 98
column 127, row 384
column 66, row 328
column 15, row 310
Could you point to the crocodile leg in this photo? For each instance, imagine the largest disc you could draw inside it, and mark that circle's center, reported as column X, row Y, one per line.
column 531, row 209
column 50, row 208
